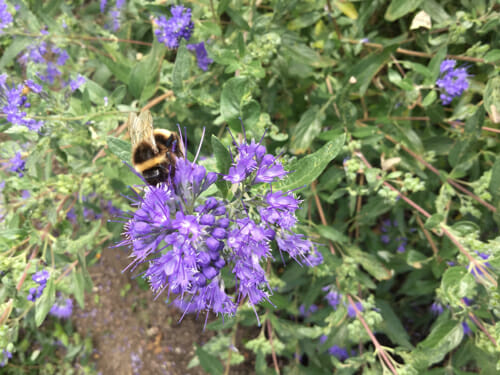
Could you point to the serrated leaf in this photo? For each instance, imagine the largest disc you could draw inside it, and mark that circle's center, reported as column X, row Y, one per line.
column 400, row 8
column 370, row 263
column 235, row 93
column 181, row 68
column 434, row 221
column 304, row 133
column 210, row 363
column 457, row 282
column 307, row 169
column 443, row 338
column 45, row 302
column 120, row 148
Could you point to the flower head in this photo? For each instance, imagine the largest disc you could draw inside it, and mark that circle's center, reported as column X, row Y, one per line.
column 6, row 355
column 62, row 308
column 186, row 238
column 40, row 278
column 453, row 82
column 171, row 31
column 16, row 164
column 340, row 353
column 201, row 55
column 5, row 16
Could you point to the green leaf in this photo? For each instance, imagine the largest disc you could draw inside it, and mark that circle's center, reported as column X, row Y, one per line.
column 307, row 169
column 366, row 69
column 429, row 98
column 332, row 234
column 304, row 20
column 457, row 283
column 96, row 92
column 434, row 221
column 120, row 71
column 400, row 8
column 474, row 124
column 45, row 303
column 181, row 69
column 494, row 186
column 370, row 263
column 492, row 56
column 235, row 93
column 146, row 70
column 304, row 133
column 443, row 338
column 120, row 148
column 9, row 54
column 210, row 363
column 392, row 326
column 222, row 161
column 79, row 287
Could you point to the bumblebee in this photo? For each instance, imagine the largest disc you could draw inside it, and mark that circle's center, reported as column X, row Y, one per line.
column 154, row 151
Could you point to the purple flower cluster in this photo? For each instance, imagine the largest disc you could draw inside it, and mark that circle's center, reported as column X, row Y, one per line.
column 187, row 239
column 62, row 308
column 5, row 16
column 475, row 270
column 13, row 101
column 16, row 164
column 334, row 298
column 201, row 55
column 399, row 241
column 75, row 84
column 40, row 278
column 49, row 56
column 452, row 81
column 171, row 31
column 340, row 353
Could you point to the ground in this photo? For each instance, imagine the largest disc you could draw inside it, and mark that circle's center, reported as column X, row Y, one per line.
column 132, row 332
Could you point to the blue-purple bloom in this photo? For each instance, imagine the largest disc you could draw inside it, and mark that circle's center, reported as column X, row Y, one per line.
column 466, row 328
column 62, row 308
column 333, row 298
column 186, row 238
column 351, row 311
column 6, row 355
column 75, row 84
column 436, row 308
column 171, row 31
column 340, row 353
column 5, row 16
column 13, row 102
column 453, row 82
column 476, row 271
column 16, row 164
column 201, row 55
column 40, row 278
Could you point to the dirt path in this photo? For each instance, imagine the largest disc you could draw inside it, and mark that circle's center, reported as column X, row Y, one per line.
column 132, row 332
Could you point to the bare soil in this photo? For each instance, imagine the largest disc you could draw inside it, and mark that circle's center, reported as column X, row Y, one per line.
column 132, row 332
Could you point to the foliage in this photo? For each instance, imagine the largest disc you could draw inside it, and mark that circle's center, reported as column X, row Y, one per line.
column 405, row 212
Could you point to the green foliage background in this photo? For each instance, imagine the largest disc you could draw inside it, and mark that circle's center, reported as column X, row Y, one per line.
column 346, row 90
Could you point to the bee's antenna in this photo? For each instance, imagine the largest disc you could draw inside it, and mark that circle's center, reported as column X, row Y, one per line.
column 199, row 146
column 182, row 139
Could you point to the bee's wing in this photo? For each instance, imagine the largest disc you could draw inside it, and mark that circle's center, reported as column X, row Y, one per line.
column 140, row 129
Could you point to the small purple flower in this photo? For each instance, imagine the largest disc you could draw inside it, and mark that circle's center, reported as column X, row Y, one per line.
column 77, row 82
column 340, row 353
column 453, row 81
column 201, row 55
column 171, row 31
column 5, row 16
column 333, row 298
column 475, row 270
column 323, row 339
column 17, row 164
column 351, row 311
column 6, row 355
column 102, row 5
column 40, row 278
column 466, row 328
column 436, row 308
column 62, row 308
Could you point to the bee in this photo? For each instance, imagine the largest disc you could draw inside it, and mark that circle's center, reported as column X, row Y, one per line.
column 154, row 151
